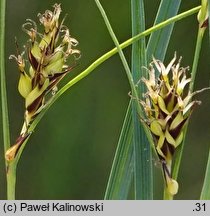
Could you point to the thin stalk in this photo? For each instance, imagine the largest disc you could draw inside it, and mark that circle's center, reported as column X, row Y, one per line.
column 94, row 65
column 191, row 87
column 4, row 107
column 196, row 57
column 119, row 49
column 166, row 195
column 11, row 181
column 10, row 174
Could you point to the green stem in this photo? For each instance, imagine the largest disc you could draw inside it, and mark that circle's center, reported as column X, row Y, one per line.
column 11, row 180
column 201, row 32
column 119, row 49
column 94, row 65
column 166, row 195
column 10, row 173
column 5, row 120
column 114, row 38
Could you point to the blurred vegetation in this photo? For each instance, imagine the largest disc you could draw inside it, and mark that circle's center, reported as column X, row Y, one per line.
column 70, row 154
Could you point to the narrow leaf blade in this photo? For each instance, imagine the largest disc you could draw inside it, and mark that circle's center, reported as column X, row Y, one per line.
column 4, row 106
column 143, row 178
column 122, row 168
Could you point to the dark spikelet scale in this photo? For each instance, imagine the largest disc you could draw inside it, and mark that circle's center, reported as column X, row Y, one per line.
column 20, row 140
column 34, row 63
column 162, row 115
column 175, row 132
column 168, row 98
column 55, row 80
column 164, row 148
column 171, row 149
column 36, row 104
column 173, row 117
column 36, row 80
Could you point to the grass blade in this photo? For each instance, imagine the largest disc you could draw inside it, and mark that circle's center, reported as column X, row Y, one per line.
column 122, row 168
column 159, row 40
column 11, row 173
column 205, row 193
column 5, row 119
column 143, row 178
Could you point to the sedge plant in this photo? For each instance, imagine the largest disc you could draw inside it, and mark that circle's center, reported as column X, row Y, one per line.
column 162, row 103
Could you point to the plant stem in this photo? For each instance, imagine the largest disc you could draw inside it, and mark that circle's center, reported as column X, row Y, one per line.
column 10, row 172
column 166, row 195
column 11, row 180
column 196, row 57
column 191, row 87
column 119, row 49
column 5, row 120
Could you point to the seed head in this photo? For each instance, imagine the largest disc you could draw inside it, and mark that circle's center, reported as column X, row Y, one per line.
column 168, row 105
column 47, row 54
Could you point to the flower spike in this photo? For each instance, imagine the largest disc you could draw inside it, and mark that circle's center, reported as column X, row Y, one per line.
column 168, row 106
column 47, row 57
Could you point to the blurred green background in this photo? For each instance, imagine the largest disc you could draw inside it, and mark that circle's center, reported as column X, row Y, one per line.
column 70, row 153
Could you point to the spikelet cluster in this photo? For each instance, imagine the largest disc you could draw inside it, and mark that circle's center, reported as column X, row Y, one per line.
column 43, row 67
column 168, row 105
